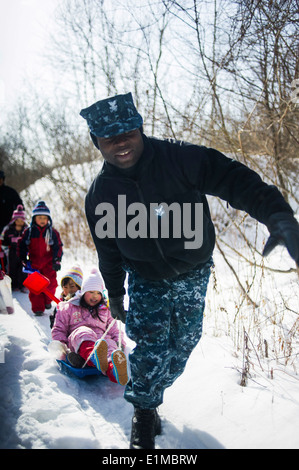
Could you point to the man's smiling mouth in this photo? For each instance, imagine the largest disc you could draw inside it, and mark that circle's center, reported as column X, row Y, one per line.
column 123, row 154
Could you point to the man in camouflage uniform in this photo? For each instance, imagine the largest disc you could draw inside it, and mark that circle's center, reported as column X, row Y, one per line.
column 167, row 334
column 164, row 182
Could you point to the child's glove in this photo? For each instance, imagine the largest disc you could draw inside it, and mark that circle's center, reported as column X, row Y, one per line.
column 117, row 310
column 284, row 230
column 27, row 268
column 56, row 265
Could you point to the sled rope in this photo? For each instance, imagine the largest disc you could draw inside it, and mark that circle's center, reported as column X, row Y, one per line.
column 119, row 335
column 101, row 339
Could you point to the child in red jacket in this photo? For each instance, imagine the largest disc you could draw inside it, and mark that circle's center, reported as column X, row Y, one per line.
column 42, row 246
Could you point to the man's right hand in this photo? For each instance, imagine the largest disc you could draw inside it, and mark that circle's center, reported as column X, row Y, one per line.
column 116, row 306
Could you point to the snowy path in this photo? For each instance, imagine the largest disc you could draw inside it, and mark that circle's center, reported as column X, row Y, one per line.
column 46, row 408
column 41, row 408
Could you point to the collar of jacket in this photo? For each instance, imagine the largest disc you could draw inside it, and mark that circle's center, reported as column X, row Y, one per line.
column 42, row 229
column 141, row 166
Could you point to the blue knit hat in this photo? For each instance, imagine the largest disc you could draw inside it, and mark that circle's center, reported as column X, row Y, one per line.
column 112, row 116
column 41, row 209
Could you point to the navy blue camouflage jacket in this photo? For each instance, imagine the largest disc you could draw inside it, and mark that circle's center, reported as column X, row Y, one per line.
column 169, row 172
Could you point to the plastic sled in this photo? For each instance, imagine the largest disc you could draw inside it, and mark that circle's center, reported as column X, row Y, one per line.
column 80, row 373
column 37, row 283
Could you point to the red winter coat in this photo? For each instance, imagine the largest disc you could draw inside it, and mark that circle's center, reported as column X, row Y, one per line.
column 42, row 256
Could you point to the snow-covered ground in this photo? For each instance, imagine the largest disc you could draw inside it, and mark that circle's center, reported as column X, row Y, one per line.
column 41, row 408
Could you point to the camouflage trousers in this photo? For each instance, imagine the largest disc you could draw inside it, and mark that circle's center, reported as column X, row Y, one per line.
column 165, row 321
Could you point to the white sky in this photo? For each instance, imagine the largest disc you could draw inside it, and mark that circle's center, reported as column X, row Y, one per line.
column 24, row 26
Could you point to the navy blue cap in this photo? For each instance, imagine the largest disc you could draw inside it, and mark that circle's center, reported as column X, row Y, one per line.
column 112, row 116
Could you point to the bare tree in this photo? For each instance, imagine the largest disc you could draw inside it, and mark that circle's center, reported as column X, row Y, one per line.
column 271, row 123
column 38, row 137
column 246, row 53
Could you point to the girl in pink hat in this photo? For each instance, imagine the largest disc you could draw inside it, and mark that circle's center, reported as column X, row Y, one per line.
column 80, row 324
column 10, row 238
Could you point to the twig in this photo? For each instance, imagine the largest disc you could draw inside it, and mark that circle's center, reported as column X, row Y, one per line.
column 236, row 276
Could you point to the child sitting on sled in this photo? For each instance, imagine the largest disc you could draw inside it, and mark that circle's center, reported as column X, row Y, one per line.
column 70, row 283
column 80, row 324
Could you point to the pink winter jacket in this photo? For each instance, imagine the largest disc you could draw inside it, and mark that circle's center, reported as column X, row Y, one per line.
column 74, row 324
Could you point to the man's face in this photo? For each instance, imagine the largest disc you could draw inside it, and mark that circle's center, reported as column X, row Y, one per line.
column 122, row 150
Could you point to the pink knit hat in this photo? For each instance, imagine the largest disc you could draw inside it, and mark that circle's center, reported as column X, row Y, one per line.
column 93, row 282
column 19, row 213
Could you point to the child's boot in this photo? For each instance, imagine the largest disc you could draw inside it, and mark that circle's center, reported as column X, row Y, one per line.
column 99, row 357
column 75, row 360
column 39, row 313
column 120, row 368
column 110, row 373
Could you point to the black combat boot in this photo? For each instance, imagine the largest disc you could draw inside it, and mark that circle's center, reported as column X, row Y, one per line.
column 146, row 424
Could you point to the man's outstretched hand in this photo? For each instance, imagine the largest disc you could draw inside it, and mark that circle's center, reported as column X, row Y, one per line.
column 284, row 230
